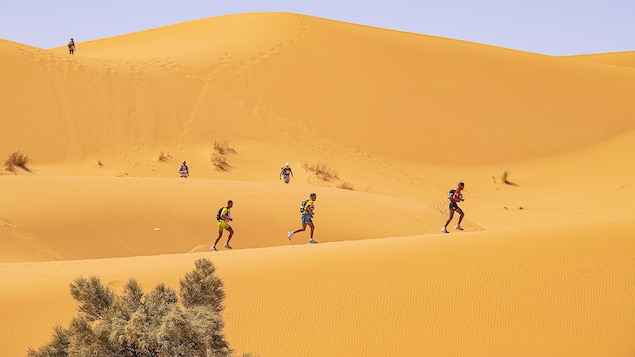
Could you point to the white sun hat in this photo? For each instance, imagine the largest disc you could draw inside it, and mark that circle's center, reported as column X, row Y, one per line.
column 287, row 163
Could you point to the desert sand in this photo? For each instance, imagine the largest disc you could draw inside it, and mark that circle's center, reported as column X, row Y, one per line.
column 544, row 267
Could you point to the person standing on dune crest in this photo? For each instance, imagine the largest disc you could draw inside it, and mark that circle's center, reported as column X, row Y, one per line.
column 455, row 196
column 71, row 47
column 184, row 171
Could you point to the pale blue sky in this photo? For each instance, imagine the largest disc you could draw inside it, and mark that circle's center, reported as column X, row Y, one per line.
column 551, row 27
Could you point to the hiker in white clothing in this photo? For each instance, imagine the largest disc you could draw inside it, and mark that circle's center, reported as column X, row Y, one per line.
column 184, row 171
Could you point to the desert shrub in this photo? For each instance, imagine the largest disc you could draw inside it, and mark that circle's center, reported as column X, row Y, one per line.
column 224, row 147
column 17, row 159
column 345, row 185
column 138, row 323
column 218, row 155
column 219, row 162
column 321, row 170
column 504, row 178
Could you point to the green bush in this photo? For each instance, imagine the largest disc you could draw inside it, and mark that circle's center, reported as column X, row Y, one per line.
column 138, row 323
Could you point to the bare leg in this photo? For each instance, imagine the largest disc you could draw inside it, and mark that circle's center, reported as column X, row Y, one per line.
column 231, row 234
column 220, row 234
column 461, row 214
column 301, row 229
column 312, row 229
column 449, row 219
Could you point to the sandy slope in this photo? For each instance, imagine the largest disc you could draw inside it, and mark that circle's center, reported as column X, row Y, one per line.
column 556, row 290
column 543, row 268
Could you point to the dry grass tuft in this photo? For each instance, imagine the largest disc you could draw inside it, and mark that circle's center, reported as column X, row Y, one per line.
column 218, row 155
column 345, row 185
column 504, row 178
column 321, row 170
column 224, row 148
column 165, row 156
column 220, row 162
column 17, row 158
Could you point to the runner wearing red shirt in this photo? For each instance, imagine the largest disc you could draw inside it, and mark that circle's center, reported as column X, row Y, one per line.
column 455, row 196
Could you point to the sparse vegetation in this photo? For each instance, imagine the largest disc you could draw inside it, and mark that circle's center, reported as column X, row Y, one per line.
column 503, row 179
column 224, row 148
column 138, row 323
column 17, row 158
column 219, row 153
column 165, row 156
column 321, row 170
column 345, row 185
column 220, row 162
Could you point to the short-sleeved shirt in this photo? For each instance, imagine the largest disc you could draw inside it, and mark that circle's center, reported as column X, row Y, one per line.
column 225, row 212
column 286, row 171
column 309, row 203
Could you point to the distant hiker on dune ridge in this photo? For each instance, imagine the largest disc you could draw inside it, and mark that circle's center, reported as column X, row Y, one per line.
column 286, row 172
column 71, row 46
column 184, row 171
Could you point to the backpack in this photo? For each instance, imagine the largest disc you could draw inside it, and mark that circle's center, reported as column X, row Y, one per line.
column 451, row 194
column 219, row 214
column 303, row 206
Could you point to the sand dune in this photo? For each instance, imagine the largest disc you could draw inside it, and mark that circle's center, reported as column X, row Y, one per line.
column 543, row 267
column 625, row 59
column 321, row 80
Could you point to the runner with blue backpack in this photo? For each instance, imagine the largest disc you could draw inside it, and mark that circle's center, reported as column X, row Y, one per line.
column 455, row 196
column 307, row 209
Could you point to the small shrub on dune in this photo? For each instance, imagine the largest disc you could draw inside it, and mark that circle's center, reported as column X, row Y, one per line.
column 138, row 323
column 218, row 155
column 504, row 178
column 17, row 159
column 219, row 162
column 345, row 185
column 320, row 170
column 164, row 156
column 224, row 148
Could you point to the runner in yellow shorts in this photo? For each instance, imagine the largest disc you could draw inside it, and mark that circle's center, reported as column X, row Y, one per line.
column 224, row 217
